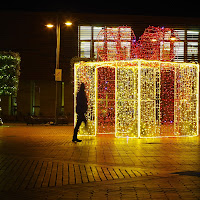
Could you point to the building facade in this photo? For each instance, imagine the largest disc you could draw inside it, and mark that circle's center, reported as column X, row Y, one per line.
column 36, row 45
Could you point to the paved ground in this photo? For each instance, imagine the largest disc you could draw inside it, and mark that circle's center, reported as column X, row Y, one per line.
column 41, row 162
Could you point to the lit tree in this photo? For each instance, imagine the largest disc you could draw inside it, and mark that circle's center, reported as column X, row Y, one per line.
column 9, row 73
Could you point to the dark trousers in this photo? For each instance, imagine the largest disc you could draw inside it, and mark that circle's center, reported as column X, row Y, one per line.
column 80, row 118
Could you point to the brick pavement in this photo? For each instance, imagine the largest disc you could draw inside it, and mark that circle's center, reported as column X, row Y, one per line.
column 41, row 162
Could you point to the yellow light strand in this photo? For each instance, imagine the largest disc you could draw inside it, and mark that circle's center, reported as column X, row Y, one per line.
column 137, row 97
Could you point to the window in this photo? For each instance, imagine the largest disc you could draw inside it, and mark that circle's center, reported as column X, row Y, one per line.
column 87, row 41
column 85, row 37
column 126, row 48
column 181, row 34
column 85, row 32
column 95, row 47
column 85, row 50
column 186, row 49
column 192, row 46
column 14, row 105
column 96, row 31
column 179, row 51
column 192, row 51
column 192, row 35
column 125, row 33
column 89, row 38
column 35, row 98
column 179, row 46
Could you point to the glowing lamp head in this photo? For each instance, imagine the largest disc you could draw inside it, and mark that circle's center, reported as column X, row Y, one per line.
column 68, row 23
column 49, row 25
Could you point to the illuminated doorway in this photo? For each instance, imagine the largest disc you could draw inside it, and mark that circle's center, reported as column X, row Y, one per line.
column 106, row 100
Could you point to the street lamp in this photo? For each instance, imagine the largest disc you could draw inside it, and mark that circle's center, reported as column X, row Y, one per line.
column 49, row 25
column 58, row 71
column 68, row 23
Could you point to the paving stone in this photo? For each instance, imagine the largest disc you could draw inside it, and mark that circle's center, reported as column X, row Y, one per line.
column 41, row 162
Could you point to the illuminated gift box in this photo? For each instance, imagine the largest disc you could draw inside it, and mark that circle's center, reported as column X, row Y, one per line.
column 139, row 98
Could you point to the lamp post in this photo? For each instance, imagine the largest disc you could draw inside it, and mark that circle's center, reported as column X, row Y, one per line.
column 57, row 70
column 1, row 122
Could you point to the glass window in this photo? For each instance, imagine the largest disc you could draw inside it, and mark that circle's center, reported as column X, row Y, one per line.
column 112, row 50
column 96, row 31
column 100, row 46
column 192, row 35
column 85, row 32
column 167, row 35
column 14, row 106
column 35, row 99
column 192, row 51
column 85, row 50
column 111, row 33
column 126, row 49
column 179, row 51
column 125, row 33
column 164, row 46
column 89, row 42
column 181, row 34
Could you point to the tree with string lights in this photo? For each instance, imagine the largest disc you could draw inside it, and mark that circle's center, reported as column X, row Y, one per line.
column 9, row 72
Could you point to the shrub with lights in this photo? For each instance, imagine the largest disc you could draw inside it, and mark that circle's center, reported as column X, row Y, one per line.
column 145, row 97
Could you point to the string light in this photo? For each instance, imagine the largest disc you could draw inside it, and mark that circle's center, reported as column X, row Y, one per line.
column 116, row 44
column 140, row 98
column 157, row 44
column 120, row 44
column 9, row 72
column 86, row 75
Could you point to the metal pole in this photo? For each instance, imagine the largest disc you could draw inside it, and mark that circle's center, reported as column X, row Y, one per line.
column 57, row 67
column 58, row 45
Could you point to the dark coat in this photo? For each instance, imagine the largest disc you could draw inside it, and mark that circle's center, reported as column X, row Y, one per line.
column 81, row 102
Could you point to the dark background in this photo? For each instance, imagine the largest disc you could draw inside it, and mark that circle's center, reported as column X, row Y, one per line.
column 154, row 8
column 22, row 29
column 25, row 32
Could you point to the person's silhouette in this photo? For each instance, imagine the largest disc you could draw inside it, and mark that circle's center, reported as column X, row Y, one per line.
column 81, row 109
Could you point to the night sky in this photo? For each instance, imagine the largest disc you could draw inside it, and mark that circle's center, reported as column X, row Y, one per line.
column 153, row 8
column 24, row 32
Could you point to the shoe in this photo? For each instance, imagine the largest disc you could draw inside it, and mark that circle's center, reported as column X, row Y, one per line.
column 77, row 140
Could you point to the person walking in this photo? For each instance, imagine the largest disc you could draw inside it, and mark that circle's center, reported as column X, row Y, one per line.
column 81, row 110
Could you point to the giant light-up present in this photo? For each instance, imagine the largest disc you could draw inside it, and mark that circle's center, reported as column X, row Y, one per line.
column 139, row 98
